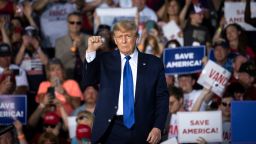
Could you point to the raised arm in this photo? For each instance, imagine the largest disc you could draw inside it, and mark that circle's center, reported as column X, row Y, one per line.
column 91, row 64
column 5, row 37
column 183, row 13
column 28, row 13
column 38, row 5
column 204, row 97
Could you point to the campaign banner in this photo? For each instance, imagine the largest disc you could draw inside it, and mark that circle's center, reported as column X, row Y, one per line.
column 192, row 125
column 243, row 120
column 110, row 16
column 214, row 77
column 13, row 107
column 183, row 60
column 234, row 13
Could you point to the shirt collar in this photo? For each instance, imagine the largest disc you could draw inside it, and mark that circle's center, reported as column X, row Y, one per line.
column 133, row 56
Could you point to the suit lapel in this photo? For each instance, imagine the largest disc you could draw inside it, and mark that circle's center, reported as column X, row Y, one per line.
column 117, row 76
column 141, row 66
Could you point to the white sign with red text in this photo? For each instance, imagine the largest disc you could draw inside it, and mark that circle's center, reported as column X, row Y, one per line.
column 110, row 16
column 214, row 77
column 234, row 13
column 192, row 125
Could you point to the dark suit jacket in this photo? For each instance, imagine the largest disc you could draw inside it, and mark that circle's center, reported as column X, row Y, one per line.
column 151, row 96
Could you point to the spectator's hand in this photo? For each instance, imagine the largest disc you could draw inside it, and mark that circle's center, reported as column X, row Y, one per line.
column 94, row 43
column 35, row 42
column 201, row 140
column 154, row 136
column 18, row 125
column 26, row 40
column 27, row 9
column 204, row 60
column 6, row 84
column 60, row 90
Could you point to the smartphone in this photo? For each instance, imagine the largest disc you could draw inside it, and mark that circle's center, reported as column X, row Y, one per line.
column 57, row 82
column 51, row 92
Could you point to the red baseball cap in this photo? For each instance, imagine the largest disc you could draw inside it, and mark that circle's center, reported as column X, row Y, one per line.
column 83, row 132
column 51, row 118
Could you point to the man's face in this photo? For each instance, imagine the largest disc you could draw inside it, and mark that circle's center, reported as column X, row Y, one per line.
column 245, row 79
column 125, row 41
column 225, row 106
column 197, row 18
column 186, row 83
column 140, row 4
column 220, row 54
column 74, row 24
column 174, row 104
column 5, row 61
column 90, row 95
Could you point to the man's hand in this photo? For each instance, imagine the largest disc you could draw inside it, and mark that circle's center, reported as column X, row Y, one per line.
column 154, row 136
column 94, row 43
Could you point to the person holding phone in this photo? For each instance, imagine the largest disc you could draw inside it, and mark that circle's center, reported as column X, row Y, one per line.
column 13, row 79
column 67, row 92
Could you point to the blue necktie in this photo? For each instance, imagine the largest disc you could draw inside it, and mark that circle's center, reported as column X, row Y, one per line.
column 128, row 97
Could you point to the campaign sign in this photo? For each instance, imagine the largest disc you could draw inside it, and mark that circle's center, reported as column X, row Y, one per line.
column 13, row 107
column 234, row 13
column 183, row 60
column 214, row 77
column 192, row 125
column 243, row 120
column 110, row 16
column 226, row 126
column 72, row 126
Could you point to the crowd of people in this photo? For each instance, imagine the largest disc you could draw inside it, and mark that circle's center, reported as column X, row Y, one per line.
column 45, row 54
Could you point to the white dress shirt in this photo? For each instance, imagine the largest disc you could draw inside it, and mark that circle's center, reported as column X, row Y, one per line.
column 90, row 56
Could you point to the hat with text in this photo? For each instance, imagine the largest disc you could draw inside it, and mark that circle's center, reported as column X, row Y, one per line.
column 51, row 118
column 5, row 49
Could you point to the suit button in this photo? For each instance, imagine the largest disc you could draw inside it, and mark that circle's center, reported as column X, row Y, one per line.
column 116, row 107
column 109, row 120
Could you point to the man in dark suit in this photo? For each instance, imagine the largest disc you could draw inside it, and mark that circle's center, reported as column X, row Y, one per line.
column 133, row 99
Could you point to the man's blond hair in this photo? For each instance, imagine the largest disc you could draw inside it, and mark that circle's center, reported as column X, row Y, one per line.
column 125, row 26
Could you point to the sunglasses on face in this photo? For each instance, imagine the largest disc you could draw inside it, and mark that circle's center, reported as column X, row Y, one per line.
column 226, row 104
column 48, row 125
column 75, row 22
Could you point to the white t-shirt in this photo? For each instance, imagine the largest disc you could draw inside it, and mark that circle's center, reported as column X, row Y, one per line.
column 226, row 132
column 190, row 99
column 21, row 79
column 54, row 22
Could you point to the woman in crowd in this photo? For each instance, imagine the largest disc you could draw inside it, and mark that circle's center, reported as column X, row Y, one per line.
column 66, row 91
column 237, row 41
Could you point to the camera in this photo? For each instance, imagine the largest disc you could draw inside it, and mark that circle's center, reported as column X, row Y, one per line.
column 15, row 72
column 31, row 31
